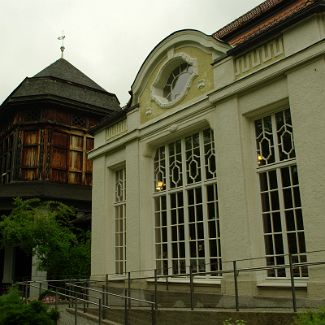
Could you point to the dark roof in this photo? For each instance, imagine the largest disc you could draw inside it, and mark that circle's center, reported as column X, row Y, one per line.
column 62, row 69
column 245, row 19
column 260, row 19
column 63, row 82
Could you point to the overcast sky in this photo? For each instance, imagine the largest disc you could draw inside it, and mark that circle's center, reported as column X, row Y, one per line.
column 107, row 40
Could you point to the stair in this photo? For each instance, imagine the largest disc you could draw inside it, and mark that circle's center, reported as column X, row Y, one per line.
column 181, row 316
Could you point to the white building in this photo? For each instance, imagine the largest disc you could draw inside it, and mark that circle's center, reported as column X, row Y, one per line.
column 219, row 156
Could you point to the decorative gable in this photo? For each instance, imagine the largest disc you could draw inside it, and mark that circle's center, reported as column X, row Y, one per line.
column 177, row 73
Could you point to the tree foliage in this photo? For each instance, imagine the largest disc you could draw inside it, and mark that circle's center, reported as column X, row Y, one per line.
column 45, row 230
column 13, row 311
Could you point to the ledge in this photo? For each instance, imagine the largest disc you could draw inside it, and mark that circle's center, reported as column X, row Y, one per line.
column 186, row 280
column 282, row 283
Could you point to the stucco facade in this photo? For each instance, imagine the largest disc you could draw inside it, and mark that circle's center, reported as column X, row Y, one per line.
column 228, row 95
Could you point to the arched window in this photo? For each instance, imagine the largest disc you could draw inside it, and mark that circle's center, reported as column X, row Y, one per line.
column 280, row 194
column 174, row 80
column 187, row 230
column 177, row 81
column 120, row 221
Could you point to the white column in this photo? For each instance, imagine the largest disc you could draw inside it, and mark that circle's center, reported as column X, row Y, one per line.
column 8, row 266
column 132, row 207
column 307, row 97
column 40, row 277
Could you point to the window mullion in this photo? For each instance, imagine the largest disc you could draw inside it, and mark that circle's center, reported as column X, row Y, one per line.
column 204, row 205
column 168, row 213
column 275, row 139
column 273, row 166
column 124, row 216
column 185, row 200
column 280, row 190
column 123, row 208
column 282, row 217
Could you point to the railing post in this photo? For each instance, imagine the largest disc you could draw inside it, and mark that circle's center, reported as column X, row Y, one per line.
column 74, row 290
column 106, row 289
column 126, row 316
column 75, row 311
column 56, row 298
column 293, row 289
column 73, row 293
column 236, row 284
column 26, row 291
column 103, row 301
column 153, row 315
column 156, row 290
column 129, row 289
column 85, row 298
column 67, row 293
column 40, row 289
column 88, row 285
column 191, row 287
column 100, row 310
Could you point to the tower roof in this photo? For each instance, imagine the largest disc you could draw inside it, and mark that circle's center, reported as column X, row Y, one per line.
column 63, row 82
column 62, row 69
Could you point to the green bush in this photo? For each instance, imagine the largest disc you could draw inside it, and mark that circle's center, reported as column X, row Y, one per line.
column 13, row 311
column 234, row 322
column 316, row 317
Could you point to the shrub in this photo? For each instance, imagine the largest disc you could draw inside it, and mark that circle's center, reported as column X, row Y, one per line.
column 234, row 322
column 13, row 311
column 315, row 317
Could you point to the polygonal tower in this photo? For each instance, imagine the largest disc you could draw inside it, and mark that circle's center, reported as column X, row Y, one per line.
column 44, row 138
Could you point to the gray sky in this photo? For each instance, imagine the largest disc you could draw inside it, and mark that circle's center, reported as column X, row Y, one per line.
column 107, row 40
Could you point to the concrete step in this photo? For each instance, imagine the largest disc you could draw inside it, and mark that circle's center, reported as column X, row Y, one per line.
column 181, row 316
column 89, row 317
column 177, row 299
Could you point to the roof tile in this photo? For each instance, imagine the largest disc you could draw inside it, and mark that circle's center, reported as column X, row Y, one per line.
column 232, row 32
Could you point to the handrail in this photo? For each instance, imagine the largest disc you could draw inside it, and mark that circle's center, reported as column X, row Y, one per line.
column 216, row 271
column 100, row 304
column 65, row 295
column 185, row 275
column 113, row 294
column 71, row 292
column 152, row 270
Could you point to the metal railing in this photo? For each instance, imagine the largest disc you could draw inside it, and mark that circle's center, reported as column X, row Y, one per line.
column 79, row 298
column 80, row 294
column 234, row 270
column 104, row 293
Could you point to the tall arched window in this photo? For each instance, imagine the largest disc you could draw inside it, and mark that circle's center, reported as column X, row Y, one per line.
column 186, row 206
column 120, row 221
column 280, row 195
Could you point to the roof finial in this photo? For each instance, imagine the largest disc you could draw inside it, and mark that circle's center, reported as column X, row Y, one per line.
column 62, row 48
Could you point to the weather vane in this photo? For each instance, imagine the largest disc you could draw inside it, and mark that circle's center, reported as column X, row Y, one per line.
column 62, row 48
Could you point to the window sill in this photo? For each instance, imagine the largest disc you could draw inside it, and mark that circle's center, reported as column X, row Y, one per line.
column 186, row 280
column 282, row 283
column 117, row 277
